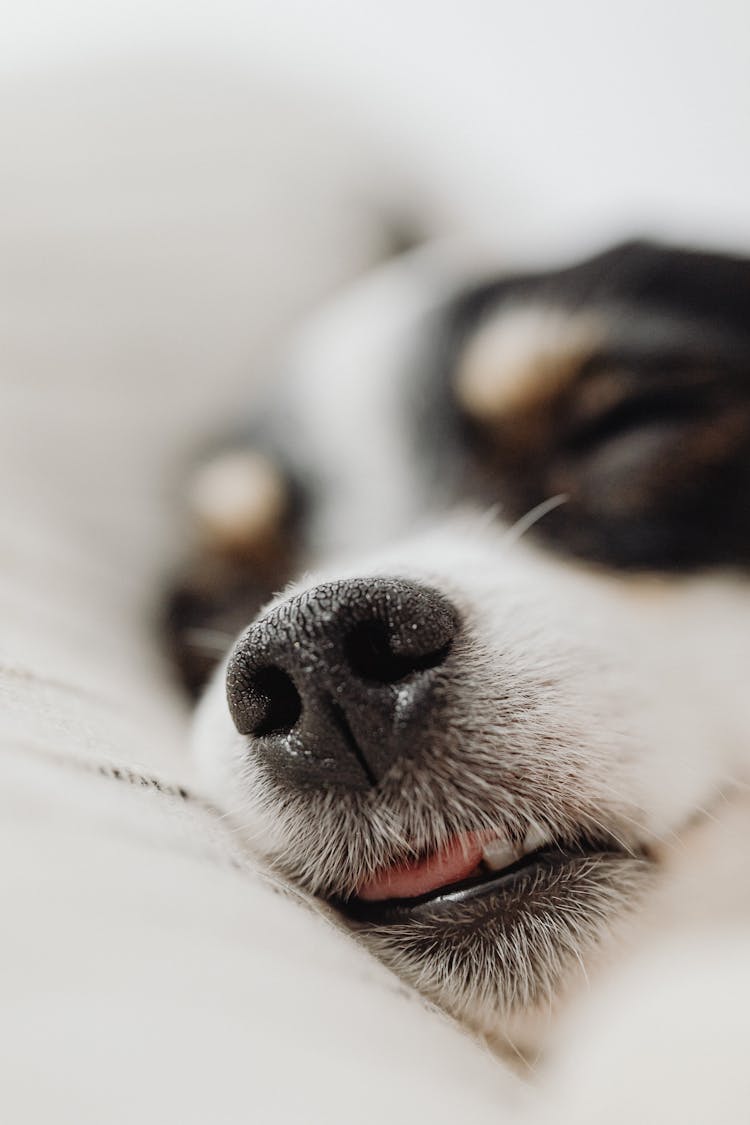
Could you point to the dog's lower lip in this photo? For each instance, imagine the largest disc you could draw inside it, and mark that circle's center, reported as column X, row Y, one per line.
column 445, row 899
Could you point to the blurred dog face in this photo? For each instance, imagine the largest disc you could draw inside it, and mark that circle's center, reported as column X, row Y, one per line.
column 507, row 669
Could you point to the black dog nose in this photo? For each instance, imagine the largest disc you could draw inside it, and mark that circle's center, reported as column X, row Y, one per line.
column 336, row 683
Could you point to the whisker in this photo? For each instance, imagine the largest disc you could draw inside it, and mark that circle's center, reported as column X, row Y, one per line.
column 208, row 640
column 608, row 831
column 533, row 516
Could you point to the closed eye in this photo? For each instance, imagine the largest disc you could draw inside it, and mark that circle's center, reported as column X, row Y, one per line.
column 608, row 402
column 638, row 411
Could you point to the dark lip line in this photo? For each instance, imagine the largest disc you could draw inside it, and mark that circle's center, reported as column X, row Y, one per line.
column 399, row 910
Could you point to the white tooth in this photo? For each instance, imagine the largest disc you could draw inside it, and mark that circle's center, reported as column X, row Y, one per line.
column 498, row 854
column 535, row 838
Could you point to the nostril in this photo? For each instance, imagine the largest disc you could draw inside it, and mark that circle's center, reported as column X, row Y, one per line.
column 265, row 701
column 370, row 655
column 283, row 705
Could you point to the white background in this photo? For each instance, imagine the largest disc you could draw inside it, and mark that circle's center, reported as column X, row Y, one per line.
column 546, row 122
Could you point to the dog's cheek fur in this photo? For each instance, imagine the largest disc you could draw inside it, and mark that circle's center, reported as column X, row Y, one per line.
column 563, row 699
column 565, row 662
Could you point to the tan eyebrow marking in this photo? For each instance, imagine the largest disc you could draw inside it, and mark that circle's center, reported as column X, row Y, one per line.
column 522, row 354
column 238, row 500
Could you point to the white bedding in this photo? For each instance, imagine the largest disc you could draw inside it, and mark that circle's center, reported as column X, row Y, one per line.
column 147, row 972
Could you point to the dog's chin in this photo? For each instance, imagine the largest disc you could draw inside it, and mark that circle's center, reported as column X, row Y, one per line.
column 511, row 942
column 507, row 938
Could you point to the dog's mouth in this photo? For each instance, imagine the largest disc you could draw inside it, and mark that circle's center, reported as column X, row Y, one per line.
column 474, row 870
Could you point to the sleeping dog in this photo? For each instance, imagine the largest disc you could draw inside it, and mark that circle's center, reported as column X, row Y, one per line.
column 467, row 594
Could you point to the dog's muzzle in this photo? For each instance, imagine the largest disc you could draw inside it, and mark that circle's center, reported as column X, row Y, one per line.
column 334, row 685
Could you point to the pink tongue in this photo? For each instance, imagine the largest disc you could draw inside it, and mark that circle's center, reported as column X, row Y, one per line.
column 456, row 861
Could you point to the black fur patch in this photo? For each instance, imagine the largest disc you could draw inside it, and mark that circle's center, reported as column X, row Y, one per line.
column 650, row 441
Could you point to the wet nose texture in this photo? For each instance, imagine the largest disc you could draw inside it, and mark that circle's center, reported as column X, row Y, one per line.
column 334, row 686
